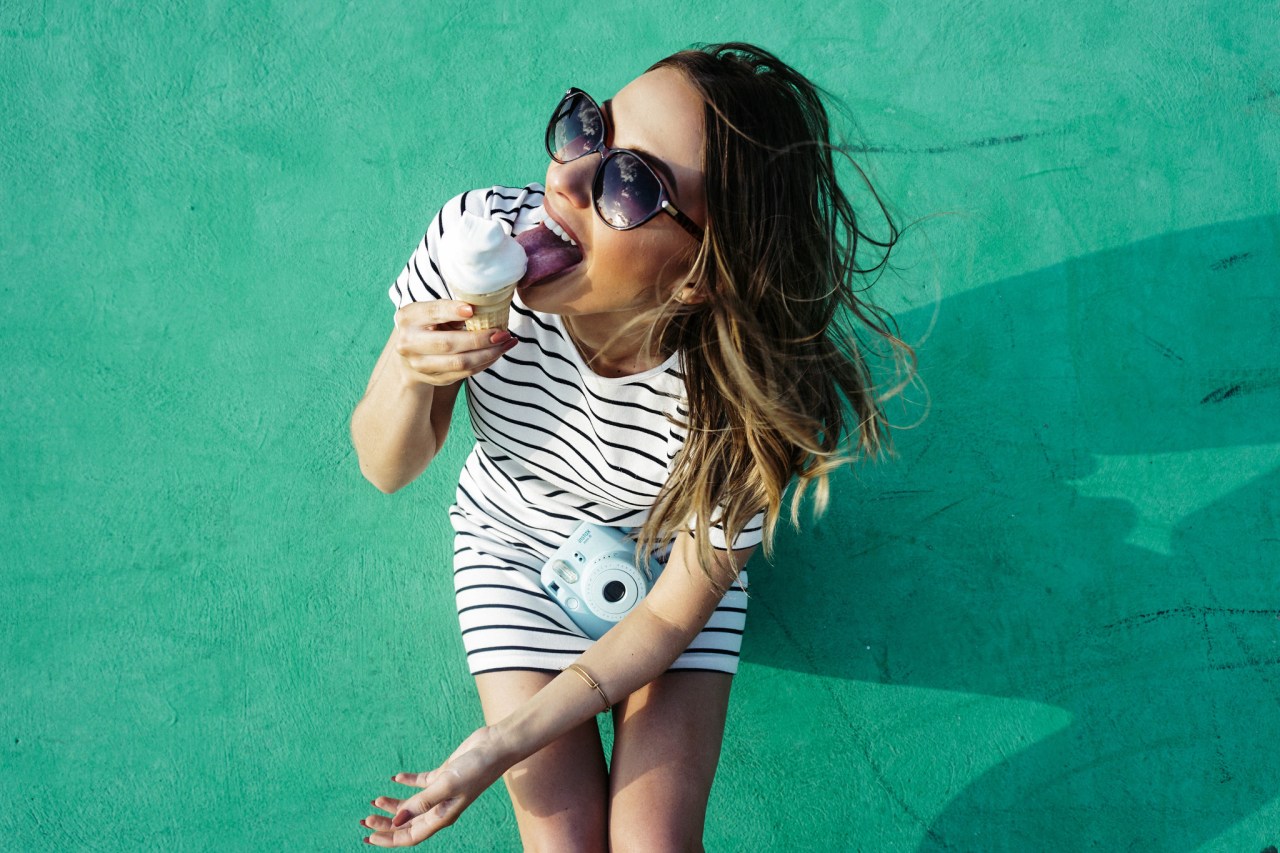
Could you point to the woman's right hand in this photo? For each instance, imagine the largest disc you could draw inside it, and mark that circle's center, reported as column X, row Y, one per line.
column 436, row 349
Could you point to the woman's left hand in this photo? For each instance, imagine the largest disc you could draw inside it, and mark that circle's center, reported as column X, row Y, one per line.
column 446, row 791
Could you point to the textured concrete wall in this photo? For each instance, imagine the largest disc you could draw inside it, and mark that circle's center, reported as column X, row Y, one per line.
column 1051, row 624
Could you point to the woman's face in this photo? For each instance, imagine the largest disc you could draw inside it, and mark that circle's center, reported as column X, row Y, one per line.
column 621, row 272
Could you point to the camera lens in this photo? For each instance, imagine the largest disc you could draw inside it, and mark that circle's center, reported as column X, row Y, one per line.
column 613, row 591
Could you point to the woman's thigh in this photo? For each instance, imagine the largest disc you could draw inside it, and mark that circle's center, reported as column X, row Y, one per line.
column 560, row 792
column 666, row 747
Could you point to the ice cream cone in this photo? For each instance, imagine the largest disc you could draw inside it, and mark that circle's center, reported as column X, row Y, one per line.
column 492, row 310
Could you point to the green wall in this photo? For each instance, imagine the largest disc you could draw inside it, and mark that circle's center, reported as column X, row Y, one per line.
column 1051, row 624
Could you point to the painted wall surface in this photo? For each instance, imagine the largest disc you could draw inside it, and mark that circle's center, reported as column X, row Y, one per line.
column 1052, row 623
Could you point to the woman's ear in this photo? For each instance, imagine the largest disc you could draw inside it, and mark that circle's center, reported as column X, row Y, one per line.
column 690, row 294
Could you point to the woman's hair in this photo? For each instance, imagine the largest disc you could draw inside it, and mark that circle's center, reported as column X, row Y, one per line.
column 777, row 353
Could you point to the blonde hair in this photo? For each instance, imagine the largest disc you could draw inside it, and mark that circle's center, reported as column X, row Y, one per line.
column 777, row 351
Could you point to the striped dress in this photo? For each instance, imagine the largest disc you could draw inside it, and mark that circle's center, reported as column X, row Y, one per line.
column 556, row 445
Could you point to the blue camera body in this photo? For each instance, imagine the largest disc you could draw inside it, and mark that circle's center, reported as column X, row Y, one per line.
column 594, row 578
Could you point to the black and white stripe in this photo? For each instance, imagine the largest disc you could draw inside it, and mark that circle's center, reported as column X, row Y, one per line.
column 556, row 445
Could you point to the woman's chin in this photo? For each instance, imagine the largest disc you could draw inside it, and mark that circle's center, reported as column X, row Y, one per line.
column 549, row 290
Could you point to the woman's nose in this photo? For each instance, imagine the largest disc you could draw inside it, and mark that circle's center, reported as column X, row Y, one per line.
column 572, row 180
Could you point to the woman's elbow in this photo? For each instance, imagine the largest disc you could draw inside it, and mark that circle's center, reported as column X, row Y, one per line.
column 381, row 481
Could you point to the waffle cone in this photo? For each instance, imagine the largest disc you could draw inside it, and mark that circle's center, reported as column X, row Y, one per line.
column 492, row 310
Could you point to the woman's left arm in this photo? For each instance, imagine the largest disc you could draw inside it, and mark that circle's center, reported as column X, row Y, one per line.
column 634, row 652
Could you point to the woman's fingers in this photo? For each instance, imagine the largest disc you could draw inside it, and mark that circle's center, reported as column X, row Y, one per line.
column 387, row 804
column 447, row 342
column 442, row 356
column 438, row 788
column 446, row 370
column 417, row 780
column 432, row 314
column 446, row 791
column 421, row 827
column 409, row 832
column 454, row 352
column 377, row 822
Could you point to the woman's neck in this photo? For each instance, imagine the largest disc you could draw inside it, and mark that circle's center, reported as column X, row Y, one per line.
column 607, row 356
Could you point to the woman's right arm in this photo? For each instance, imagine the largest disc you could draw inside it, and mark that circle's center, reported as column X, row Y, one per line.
column 401, row 421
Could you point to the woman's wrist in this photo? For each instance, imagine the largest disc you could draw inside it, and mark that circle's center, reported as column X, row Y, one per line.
column 506, row 743
column 562, row 704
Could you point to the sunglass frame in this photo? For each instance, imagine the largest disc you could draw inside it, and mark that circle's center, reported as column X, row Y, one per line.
column 606, row 153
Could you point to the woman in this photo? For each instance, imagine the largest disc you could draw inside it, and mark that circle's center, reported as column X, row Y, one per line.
column 693, row 347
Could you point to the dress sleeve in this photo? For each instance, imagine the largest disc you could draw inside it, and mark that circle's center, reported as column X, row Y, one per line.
column 420, row 279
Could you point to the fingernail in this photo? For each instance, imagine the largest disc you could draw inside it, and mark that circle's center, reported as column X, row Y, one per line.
column 367, row 841
column 362, row 823
column 500, row 337
column 373, row 803
column 393, row 778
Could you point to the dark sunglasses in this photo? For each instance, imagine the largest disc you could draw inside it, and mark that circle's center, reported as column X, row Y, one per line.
column 627, row 192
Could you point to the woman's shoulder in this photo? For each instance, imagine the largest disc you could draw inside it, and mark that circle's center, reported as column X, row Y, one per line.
column 514, row 206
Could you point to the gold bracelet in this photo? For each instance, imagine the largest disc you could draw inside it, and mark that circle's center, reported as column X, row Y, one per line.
column 591, row 682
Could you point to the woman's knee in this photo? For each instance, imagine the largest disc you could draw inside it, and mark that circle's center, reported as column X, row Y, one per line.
column 653, row 836
column 663, row 810
column 540, row 836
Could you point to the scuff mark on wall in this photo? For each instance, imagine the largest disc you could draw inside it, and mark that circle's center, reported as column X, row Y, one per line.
column 1262, row 380
column 947, row 149
column 1231, row 261
column 1163, row 349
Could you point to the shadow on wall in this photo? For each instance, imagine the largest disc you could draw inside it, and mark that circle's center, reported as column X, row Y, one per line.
column 1087, row 519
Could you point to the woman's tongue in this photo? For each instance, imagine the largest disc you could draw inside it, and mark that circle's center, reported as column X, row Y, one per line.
column 547, row 253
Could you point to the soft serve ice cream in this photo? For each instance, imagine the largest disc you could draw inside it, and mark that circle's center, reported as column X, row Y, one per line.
column 482, row 263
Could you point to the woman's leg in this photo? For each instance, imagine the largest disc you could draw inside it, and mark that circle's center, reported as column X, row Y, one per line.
column 665, row 749
column 560, row 792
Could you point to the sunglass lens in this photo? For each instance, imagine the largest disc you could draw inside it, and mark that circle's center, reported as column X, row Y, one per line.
column 626, row 191
column 575, row 129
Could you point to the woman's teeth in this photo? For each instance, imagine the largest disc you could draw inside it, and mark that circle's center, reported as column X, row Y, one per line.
column 558, row 231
